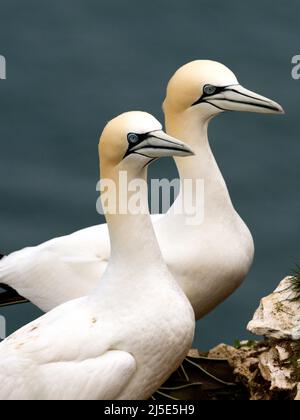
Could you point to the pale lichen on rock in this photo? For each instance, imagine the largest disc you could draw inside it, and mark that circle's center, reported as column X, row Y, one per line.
column 278, row 320
column 276, row 368
column 262, row 370
column 278, row 315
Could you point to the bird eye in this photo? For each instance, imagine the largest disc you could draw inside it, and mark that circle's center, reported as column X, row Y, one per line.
column 209, row 89
column 133, row 138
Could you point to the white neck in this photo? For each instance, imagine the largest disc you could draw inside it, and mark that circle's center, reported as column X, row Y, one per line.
column 189, row 128
column 134, row 245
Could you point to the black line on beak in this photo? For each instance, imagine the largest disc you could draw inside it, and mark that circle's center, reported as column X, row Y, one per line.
column 243, row 94
column 132, row 147
column 265, row 106
column 205, row 99
column 202, row 99
column 216, row 106
column 141, row 138
column 178, row 149
column 164, row 140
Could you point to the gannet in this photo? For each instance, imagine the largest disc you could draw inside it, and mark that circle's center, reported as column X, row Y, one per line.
column 123, row 340
column 209, row 260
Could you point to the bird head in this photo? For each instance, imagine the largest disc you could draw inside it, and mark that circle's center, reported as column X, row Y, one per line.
column 135, row 139
column 210, row 87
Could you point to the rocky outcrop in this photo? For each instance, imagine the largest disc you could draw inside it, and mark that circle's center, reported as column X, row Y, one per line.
column 271, row 369
column 278, row 315
column 265, row 370
column 268, row 369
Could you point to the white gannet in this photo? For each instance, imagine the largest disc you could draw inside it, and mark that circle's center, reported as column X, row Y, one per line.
column 209, row 260
column 123, row 340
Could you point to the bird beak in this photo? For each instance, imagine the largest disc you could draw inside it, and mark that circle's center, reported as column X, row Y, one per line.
column 237, row 98
column 159, row 144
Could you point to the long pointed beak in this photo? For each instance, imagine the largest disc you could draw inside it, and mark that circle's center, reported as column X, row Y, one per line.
column 237, row 98
column 159, row 144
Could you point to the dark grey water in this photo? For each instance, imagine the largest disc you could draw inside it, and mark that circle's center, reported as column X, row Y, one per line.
column 72, row 65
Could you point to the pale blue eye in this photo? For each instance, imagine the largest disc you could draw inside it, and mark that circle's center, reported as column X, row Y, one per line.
column 209, row 89
column 133, row 138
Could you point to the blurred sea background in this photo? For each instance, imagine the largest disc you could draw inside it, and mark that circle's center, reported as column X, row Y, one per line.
column 73, row 65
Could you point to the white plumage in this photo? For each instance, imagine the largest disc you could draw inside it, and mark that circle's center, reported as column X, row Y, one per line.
column 123, row 340
column 210, row 259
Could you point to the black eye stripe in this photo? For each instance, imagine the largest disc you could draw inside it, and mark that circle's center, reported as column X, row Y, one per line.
column 209, row 89
column 134, row 138
column 139, row 139
column 215, row 91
